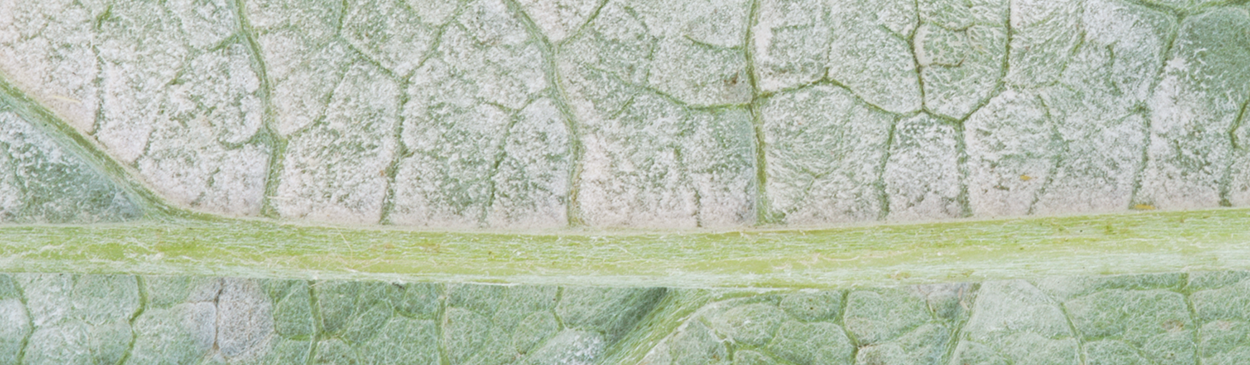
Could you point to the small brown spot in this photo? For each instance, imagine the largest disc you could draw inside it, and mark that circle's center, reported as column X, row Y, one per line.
column 1143, row 207
column 1025, row 178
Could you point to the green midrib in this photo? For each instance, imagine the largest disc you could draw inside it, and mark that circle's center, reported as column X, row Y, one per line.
column 831, row 257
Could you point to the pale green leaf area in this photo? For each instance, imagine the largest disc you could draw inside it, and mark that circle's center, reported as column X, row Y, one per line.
column 830, row 257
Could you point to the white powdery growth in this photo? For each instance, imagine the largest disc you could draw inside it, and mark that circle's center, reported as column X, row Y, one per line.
column 922, row 178
column 824, row 149
column 1137, row 35
column 699, row 75
column 617, row 43
column 960, row 49
column 722, row 167
column 1187, row 5
column 560, row 19
column 691, row 343
column 769, row 329
column 861, row 44
column 1099, row 161
column 1096, row 107
column 235, row 186
column 963, row 14
column 244, row 320
column 1200, row 96
column 675, row 179
column 489, row 147
column 1175, row 4
column 1045, row 33
column 1011, row 151
column 339, row 113
column 650, row 159
column 790, row 43
column 179, row 319
column 693, row 49
column 532, row 179
column 608, row 199
column 181, row 103
column 1013, row 321
column 79, row 318
column 1239, row 184
column 572, row 347
column 659, row 94
column 303, row 57
column 142, row 52
column 454, row 140
column 46, row 51
column 434, row 12
column 302, row 87
column 15, row 322
column 204, row 23
column 629, row 184
column 199, row 155
column 447, row 180
column 497, row 56
column 335, row 170
column 11, row 192
column 869, row 52
column 389, row 33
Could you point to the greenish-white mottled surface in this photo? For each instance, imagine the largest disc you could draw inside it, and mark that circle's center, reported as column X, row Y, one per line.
column 201, row 182
column 1171, row 318
column 515, row 114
